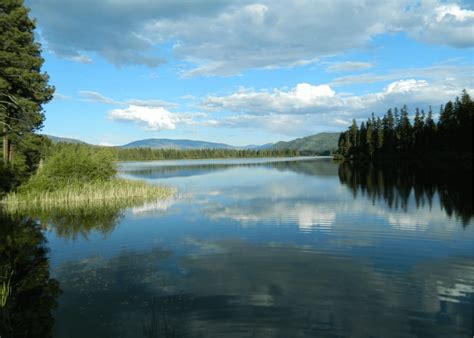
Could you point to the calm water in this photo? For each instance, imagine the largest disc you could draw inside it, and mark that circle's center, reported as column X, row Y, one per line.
column 259, row 248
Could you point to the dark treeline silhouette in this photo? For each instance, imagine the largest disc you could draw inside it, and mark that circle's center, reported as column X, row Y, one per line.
column 396, row 185
column 145, row 154
column 29, row 294
column 395, row 136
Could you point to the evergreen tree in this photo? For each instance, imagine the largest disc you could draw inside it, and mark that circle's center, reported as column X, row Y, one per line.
column 394, row 135
column 418, row 128
column 354, row 134
column 370, row 139
column 380, row 134
column 23, row 87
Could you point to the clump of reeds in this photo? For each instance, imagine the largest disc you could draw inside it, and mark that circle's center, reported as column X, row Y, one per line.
column 5, row 287
column 96, row 193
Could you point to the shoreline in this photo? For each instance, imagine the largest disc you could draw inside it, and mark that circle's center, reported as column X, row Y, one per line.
column 92, row 194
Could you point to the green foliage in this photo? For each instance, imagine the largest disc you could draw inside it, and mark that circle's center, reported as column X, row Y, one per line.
column 71, row 164
column 148, row 154
column 395, row 136
column 23, row 87
column 31, row 150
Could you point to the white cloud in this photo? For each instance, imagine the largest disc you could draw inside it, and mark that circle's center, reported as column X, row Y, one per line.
column 348, row 66
column 59, row 96
column 307, row 108
column 455, row 73
column 96, row 97
column 156, row 118
column 404, row 86
column 295, row 100
column 153, row 118
column 445, row 24
column 228, row 37
column 91, row 96
column 80, row 58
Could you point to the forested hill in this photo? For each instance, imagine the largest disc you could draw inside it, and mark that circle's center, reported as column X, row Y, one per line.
column 56, row 139
column 319, row 144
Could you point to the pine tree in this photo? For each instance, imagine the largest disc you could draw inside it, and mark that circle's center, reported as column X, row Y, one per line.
column 23, row 87
column 380, row 134
column 370, row 139
column 418, row 128
column 354, row 131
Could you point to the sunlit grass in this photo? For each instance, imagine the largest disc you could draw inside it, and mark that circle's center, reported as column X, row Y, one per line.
column 94, row 194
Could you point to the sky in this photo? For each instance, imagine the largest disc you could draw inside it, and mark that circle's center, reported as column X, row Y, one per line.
column 245, row 72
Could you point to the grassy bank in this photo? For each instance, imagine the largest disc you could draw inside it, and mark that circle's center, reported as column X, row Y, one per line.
column 99, row 193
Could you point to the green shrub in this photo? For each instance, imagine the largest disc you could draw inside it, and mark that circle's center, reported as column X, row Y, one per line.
column 72, row 164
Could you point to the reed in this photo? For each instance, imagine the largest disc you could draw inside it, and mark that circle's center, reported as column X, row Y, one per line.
column 5, row 288
column 92, row 194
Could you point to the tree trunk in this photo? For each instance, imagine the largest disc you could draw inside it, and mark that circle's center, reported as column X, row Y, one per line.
column 10, row 153
column 5, row 144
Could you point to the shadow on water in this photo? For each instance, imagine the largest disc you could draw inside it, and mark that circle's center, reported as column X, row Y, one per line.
column 29, row 292
column 396, row 185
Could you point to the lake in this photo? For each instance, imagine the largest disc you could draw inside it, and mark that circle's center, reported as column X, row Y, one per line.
column 299, row 247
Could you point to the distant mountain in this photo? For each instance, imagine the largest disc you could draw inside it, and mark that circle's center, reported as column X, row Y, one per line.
column 318, row 144
column 56, row 139
column 256, row 147
column 176, row 144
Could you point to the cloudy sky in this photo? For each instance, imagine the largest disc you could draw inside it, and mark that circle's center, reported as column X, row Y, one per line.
column 246, row 72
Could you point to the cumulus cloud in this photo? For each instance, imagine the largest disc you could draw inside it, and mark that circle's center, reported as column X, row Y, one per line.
column 228, row 37
column 299, row 99
column 153, row 118
column 156, row 118
column 445, row 24
column 306, row 107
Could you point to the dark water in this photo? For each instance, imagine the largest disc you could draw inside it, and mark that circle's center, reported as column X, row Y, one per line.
column 254, row 249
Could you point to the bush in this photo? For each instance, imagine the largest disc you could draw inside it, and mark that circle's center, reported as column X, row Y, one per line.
column 72, row 164
column 9, row 178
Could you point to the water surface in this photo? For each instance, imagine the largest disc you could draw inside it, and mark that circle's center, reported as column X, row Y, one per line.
column 265, row 248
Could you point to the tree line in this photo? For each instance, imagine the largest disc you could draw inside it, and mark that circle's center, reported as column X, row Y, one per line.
column 396, row 135
column 147, row 154
column 24, row 89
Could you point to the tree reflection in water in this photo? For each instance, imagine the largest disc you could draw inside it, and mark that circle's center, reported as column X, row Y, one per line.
column 397, row 184
column 23, row 252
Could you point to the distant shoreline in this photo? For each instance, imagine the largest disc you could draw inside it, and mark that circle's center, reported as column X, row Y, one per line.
column 227, row 159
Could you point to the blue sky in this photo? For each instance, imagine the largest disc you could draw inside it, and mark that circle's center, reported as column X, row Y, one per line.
column 245, row 72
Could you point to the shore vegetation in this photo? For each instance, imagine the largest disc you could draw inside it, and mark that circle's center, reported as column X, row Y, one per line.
column 76, row 176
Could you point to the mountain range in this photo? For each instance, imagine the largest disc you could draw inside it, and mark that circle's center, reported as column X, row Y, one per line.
column 322, row 143
column 56, row 139
column 185, row 144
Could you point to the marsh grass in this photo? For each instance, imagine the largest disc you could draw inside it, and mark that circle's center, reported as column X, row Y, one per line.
column 107, row 193
column 5, row 287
